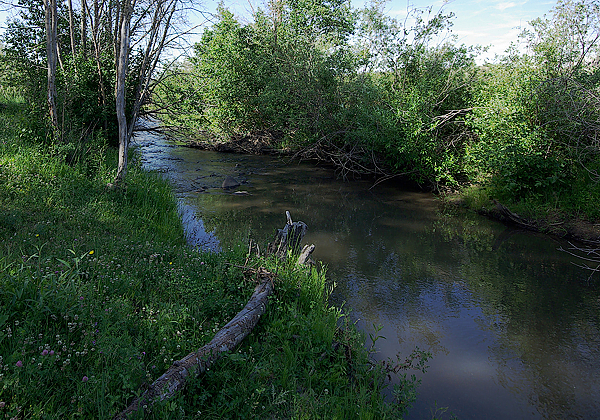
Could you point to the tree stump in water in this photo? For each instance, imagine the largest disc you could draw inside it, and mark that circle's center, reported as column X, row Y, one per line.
column 231, row 335
column 288, row 238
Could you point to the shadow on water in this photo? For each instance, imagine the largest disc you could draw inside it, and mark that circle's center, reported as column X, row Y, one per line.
column 512, row 324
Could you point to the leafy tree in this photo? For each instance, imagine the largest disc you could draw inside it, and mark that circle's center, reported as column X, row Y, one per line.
column 105, row 69
column 537, row 113
column 426, row 82
column 353, row 87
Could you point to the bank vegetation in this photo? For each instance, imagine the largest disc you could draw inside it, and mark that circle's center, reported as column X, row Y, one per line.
column 100, row 296
column 387, row 98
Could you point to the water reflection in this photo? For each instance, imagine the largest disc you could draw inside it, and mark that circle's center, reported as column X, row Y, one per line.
column 512, row 324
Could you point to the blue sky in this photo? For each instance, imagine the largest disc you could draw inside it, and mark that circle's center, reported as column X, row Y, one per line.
column 493, row 23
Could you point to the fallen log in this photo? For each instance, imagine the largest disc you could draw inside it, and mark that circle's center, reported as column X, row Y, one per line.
column 197, row 362
column 231, row 335
column 514, row 217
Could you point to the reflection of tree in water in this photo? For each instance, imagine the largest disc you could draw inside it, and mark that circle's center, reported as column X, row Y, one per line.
column 399, row 263
column 547, row 328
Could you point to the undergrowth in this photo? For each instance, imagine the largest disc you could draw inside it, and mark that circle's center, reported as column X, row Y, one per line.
column 99, row 294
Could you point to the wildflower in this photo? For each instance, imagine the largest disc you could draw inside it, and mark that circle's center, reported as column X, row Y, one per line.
column 19, row 363
column 45, row 352
column 84, row 379
column 91, row 252
column 51, row 352
column 170, row 262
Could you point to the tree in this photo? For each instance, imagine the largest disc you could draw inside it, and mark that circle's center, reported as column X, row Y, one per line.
column 568, row 41
column 51, row 54
column 152, row 32
column 122, row 42
column 537, row 112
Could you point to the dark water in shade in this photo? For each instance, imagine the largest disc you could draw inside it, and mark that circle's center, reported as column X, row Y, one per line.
column 512, row 324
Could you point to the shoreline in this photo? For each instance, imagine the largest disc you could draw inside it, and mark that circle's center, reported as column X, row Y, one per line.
column 557, row 224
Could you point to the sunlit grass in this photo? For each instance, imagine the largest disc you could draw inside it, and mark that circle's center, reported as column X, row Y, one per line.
column 99, row 294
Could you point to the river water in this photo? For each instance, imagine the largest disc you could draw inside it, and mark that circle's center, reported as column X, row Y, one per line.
column 511, row 322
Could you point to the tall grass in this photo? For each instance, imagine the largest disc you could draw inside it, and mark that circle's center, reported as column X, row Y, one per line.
column 99, row 294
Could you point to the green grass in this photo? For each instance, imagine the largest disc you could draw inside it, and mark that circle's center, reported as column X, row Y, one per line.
column 99, row 294
column 572, row 201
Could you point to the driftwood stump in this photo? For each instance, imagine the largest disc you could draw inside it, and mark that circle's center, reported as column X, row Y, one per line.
column 232, row 334
column 288, row 238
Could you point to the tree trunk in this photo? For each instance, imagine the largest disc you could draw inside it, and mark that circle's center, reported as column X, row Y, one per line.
column 122, row 64
column 51, row 52
column 288, row 238
column 83, row 27
column 71, row 29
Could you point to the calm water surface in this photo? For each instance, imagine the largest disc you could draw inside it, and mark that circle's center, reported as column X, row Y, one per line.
column 512, row 324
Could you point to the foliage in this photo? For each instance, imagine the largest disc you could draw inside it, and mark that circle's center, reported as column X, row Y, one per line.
column 354, row 87
column 84, row 104
column 375, row 95
column 99, row 294
column 273, row 75
column 426, row 87
column 536, row 114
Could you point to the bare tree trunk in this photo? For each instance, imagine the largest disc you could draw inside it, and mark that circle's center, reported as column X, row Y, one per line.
column 96, row 28
column 123, row 55
column 71, row 28
column 51, row 52
column 83, row 27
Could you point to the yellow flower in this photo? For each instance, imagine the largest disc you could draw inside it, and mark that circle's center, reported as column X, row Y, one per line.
column 37, row 234
column 170, row 262
column 91, row 252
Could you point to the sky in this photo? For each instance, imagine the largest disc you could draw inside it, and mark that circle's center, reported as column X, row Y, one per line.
column 493, row 23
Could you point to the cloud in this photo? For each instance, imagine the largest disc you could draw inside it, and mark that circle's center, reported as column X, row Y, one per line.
column 504, row 6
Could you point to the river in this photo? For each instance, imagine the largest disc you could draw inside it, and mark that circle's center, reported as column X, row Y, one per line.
column 511, row 322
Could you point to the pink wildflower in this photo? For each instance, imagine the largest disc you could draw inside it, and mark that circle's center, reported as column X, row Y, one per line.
column 85, row 379
column 19, row 364
column 45, row 352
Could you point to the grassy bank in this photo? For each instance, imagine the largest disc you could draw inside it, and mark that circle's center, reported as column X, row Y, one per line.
column 569, row 211
column 99, row 294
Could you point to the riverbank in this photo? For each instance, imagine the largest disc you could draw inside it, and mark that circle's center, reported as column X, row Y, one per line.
column 99, row 294
column 528, row 214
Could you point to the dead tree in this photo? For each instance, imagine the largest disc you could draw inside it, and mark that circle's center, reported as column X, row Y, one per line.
column 288, row 238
